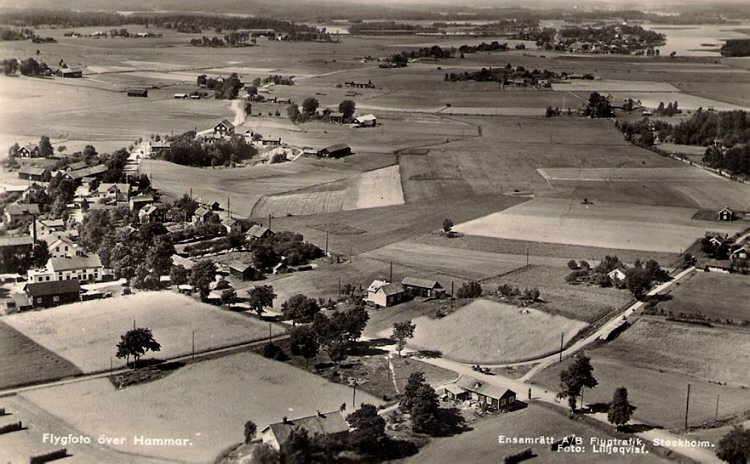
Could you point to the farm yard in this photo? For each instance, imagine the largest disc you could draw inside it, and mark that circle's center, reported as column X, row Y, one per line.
column 714, row 295
column 207, row 403
column 491, row 333
column 650, row 360
column 85, row 334
column 605, row 225
column 583, row 302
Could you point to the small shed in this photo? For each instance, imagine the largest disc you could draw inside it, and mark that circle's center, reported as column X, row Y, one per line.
column 725, row 214
column 244, row 272
column 423, row 287
column 367, row 120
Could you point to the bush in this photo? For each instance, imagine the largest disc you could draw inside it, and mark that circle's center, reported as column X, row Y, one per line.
column 572, row 264
column 270, row 350
column 280, row 356
column 584, row 265
column 470, row 290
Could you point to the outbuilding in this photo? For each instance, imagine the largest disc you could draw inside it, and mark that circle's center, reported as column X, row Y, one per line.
column 336, row 151
column 244, row 272
column 423, row 287
column 725, row 214
column 54, row 293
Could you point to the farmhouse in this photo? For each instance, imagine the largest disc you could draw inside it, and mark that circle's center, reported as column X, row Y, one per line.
column 18, row 210
column 384, row 294
column 151, row 213
column 49, row 294
column 717, row 239
column 118, row 192
column 158, row 148
column 224, row 128
column 617, row 275
column 32, row 173
column 28, row 151
column 725, row 214
column 201, row 215
column 488, row 395
column 61, row 246
column 48, row 226
column 83, row 268
column 336, row 151
column 257, row 232
column 742, row 252
column 331, row 423
column 232, row 225
column 244, row 272
column 138, row 93
column 423, row 287
column 367, row 120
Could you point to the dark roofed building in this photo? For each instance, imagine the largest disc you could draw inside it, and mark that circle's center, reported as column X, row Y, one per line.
column 488, row 395
column 331, row 423
column 423, row 287
column 224, row 128
column 17, row 210
column 336, row 151
column 244, row 271
column 93, row 171
column 54, row 293
column 257, row 232
column 32, row 173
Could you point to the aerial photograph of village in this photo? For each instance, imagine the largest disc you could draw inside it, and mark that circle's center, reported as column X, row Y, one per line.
column 346, row 231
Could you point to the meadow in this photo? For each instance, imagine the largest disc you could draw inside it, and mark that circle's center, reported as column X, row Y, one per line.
column 207, row 403
column 613, row 225
column 650, row 360
column 715, row 295
column 489, row 332
column 85, row 334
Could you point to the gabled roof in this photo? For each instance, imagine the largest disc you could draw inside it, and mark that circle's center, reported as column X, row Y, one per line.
column 16, row 240
column 86, row 172
column 55, row 287
column 74, row 263
column 337, row 147
column 32, row 171
column 52, row 222
column 327, row 424
column 392, row 289
column 53, row 239
column 178, row 260
column 719, row 264
column 107, row 186
column 22, row 208
column 258, row 231
column 421, row 283
column 229, row 222
column 375, row 285
column 240, row 267
column 77, row 166
column 366, row 117
column 226, row 123
column 142, row 198
column 148, row 210
column 486, row 389
column 201, row 211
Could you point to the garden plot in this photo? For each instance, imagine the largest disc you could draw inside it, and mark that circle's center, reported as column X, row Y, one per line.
column 206, row 402
column 605, row 225
column 86, row 333
column 489, row 332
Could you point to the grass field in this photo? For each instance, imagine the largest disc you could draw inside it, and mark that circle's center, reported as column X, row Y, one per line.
column 481, row 444
column 715, row 295
column 583, row 302
column 603, row 225
column 655, row 360
column 472, row 265
column 542, row 252
column 492, row 333
column 24, row 361
column 206, row 402
column 86, row 333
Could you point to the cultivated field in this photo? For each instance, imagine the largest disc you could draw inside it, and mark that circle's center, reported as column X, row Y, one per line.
column 24, row 361
column 86, row 333
column 603, row 225
column 480, row 445
column 715, row 295
column 656, row 359
column 550, row 254
column 583, row 302
column 467, row 264
column 611, row 85
column 492, row 333
column 207, row 403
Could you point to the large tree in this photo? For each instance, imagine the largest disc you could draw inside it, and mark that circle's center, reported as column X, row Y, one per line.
column 411, row 390
column 45, row 147
column 347, row 107
column 734, row 447
column 304, row 343
column 310, row 105
column 260, row 297
column 620, row 408
column 368, row 436
column 401, row 332
column 40, row 254
column 300, row 308
column 137, row 342
column 202, row 275
column 579, row 375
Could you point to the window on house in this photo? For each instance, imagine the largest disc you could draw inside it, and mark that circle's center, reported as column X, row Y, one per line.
column 56, row 298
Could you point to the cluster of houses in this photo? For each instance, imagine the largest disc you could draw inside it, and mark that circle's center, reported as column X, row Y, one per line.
column 738, row 254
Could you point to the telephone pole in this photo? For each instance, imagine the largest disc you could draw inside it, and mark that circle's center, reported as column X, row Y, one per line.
column 562, row 334
column 687, row 407
column 716, row 416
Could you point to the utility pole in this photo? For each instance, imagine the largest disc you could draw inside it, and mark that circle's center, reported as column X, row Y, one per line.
column 193, row 345
column 133, row 324
column 687, row 407
column 270, row 337
column 326, row 243
column 339, row 287
column 527, row 256
column 453, row 295
column 562, row 334
column 354, row 393
column 390, row 275
column 716, row 416
column 269, row 220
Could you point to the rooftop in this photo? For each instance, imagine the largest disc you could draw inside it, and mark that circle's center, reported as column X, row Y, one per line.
column 323, row 423
column 74, row 263
column 421, row 283
column 55, row 287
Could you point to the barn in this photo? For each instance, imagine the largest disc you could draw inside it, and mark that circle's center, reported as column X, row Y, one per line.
column 244, row 272
column 336, row 151
column 423, row 287
column 725, row 214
